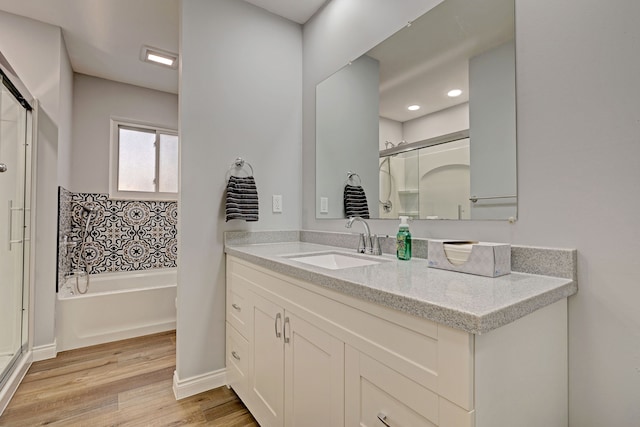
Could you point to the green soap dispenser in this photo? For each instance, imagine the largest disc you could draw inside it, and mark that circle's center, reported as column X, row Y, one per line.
column 403, row 240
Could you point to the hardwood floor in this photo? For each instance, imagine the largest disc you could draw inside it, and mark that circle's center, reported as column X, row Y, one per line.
column 125, row 383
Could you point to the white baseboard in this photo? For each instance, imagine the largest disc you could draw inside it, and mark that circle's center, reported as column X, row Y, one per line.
column 194, row 385
column 6, row 393
column 44, row 352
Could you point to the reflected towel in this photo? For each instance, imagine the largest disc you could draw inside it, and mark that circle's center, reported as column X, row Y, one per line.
column 355, row 202
column 242, row 199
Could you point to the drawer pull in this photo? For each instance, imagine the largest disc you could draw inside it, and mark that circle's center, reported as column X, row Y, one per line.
column 278, row 317
column 235, row 355
column 383, row 419
column 236, row 306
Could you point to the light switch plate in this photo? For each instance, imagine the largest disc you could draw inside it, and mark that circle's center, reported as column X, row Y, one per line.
column 324, row 205
column 276, row 201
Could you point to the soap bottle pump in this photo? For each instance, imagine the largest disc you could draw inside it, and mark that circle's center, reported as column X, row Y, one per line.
column 403, row 240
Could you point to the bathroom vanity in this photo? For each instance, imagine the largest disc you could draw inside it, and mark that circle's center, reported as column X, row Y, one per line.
column 392, row 343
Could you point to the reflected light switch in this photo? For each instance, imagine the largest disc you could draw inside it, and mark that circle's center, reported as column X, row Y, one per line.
column 324, row 205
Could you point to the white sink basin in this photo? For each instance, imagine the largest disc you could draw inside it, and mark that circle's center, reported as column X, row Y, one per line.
column 334, row 260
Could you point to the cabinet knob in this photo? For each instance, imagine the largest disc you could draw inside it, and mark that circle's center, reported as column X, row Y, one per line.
column 236, row 306
column 235, row 355
column 383, row 419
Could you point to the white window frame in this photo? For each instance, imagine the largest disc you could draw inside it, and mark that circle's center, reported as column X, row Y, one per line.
column 114, row 164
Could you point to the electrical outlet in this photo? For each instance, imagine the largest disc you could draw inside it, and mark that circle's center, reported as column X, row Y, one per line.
column 276, row 201
column 324, row 205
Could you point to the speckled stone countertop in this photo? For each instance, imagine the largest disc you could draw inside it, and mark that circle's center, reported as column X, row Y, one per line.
column 471, row 303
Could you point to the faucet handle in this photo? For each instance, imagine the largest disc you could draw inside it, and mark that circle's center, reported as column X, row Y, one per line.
column 362, row 244
column 375, row 245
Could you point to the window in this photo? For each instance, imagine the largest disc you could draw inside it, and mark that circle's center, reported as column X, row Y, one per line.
column 144, row 162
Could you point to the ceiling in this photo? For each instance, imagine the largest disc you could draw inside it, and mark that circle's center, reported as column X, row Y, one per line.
column 104, row 38
column 299, row 11
column 421, row 63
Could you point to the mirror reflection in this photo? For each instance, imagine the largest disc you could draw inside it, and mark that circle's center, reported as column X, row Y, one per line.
column 424, row 122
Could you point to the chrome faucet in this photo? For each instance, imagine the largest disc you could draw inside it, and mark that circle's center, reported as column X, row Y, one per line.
column 368, row 244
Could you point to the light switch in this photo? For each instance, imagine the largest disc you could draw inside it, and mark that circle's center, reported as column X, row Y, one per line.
column 324, row 205
column 277, row 203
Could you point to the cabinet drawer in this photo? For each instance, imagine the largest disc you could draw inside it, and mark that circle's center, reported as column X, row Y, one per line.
column 238, row 306
column 237, row 361
column 374, row 393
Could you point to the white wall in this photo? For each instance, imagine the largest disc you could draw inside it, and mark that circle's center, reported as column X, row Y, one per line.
column 95, row 101
column 45, row 232
column 35, row 51
column 389, row 130
column 241, row 80
column 578, row 112
column 449, row 120
column 65, row 121
column 578, row 126
column 492, row 119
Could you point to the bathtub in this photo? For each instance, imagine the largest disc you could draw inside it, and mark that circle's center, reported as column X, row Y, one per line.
column 117, row 306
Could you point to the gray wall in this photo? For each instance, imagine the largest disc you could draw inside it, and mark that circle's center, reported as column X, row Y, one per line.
column 348, row 122
column 95, row 101
column 240, row 96
column 578, row 124
column 492, row 131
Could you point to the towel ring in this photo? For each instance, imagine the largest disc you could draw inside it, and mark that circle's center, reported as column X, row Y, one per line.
column 240, row 163
column 350, row 177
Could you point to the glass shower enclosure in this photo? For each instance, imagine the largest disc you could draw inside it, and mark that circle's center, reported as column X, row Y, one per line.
column 15, row 185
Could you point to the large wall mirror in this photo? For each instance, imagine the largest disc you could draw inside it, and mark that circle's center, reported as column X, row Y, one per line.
column 424, row 124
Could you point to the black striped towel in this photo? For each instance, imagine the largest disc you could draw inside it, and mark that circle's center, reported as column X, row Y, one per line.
column 355, row 202
column 242, row 199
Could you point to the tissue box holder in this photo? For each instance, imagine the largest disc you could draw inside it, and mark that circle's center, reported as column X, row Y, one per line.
column 485, row 259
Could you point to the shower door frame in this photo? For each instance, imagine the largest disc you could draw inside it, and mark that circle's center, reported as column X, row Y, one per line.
column 23, row 362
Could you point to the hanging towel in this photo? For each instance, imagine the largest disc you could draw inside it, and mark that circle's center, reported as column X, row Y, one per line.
column 242, row 199
column 355, row 202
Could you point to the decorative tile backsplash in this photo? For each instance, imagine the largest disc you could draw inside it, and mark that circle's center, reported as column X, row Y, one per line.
column 123, row 235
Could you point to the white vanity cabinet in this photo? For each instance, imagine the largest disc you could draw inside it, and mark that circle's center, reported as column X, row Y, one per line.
column 295, row 370
column 300, row 354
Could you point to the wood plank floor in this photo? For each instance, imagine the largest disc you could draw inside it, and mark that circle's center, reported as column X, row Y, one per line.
column 125, row 383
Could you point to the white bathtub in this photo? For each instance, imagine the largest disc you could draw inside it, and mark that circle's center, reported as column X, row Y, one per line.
column 117, row 306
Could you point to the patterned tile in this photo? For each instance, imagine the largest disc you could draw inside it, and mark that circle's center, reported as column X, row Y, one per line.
column 122, row 235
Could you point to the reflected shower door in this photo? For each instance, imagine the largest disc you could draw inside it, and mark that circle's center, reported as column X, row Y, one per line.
column 13, row 167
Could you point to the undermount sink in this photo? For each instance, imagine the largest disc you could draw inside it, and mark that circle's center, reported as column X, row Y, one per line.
column 334, row 260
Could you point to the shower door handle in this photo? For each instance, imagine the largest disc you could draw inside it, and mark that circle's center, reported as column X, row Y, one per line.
column 10, row 228
column 3, row 167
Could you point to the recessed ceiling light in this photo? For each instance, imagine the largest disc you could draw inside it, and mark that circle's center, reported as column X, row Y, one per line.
column 454, row 92
column 413, row 107
column 159, row 57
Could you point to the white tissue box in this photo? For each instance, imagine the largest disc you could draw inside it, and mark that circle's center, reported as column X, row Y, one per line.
column 481, row 258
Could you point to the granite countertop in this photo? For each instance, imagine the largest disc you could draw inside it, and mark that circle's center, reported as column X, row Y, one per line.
column 471, row 303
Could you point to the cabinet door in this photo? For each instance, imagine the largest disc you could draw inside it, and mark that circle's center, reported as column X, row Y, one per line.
column 314, row 375
column 266, row 362
column 378, row 396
